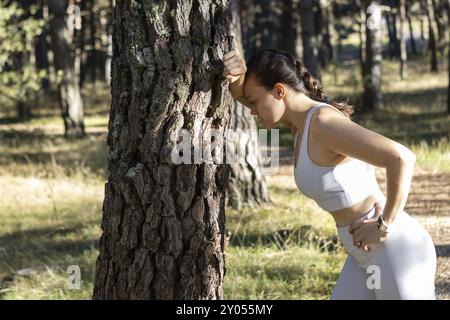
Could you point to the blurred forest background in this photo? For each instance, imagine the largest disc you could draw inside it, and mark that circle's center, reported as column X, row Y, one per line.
column 55, row 98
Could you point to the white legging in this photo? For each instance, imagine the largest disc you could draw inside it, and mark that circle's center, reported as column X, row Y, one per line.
column 401, row 268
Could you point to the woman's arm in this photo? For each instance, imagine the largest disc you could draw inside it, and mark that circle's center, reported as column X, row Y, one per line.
column 345, row 137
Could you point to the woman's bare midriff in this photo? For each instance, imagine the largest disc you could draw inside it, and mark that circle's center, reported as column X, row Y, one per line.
column 348, row 215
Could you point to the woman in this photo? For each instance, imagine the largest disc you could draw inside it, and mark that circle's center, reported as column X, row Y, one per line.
column 390, row 255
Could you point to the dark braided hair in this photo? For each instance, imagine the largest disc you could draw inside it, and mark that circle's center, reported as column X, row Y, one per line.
column 271, row 66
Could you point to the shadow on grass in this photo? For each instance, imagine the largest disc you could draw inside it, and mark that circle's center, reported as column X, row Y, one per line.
column 90, row 151
column 36, row 248
column 305, row 235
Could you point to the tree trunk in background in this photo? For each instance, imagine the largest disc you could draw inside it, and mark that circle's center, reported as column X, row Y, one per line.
column 431, row 35
column 247, row 185
column 68, row 89
column 287, row 27
column 298, row 31
column 440, row 29
column 372, row 96
column 411, row 31
column 93, row 41
column 23, row 107
column 391, row 23
column 163, row 223
column 109, row 50
column 403, row 53
column 330, row 37
column 264, row 25
column 309, row 37
column 362, row 38
column 41, row 48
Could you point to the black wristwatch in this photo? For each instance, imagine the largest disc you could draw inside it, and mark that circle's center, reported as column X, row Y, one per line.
column 382, row 225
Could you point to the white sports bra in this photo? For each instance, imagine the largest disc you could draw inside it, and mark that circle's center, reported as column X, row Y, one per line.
column 333, row 188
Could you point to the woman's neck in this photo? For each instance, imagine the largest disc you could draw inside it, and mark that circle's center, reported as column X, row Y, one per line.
column 297, row 107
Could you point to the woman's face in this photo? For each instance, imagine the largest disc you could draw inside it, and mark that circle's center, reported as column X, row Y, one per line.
column 267, row 105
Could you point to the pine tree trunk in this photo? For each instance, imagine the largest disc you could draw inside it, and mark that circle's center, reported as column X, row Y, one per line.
column 68, row 89
column 163, row 222
column 247, row 185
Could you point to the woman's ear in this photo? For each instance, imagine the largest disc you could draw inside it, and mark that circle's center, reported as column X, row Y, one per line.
column 280, row 90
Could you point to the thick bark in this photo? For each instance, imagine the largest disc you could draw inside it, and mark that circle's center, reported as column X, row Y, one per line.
column 403, row 53
column 163, row 222
column 372, row 96
column 68, row 89
column 247, row 186
column 309, row 37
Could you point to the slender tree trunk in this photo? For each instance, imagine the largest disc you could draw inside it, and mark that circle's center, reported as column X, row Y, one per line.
column 68, row 89
column 109, row 50
column 431, row 35
column 298, row 32
column 391, row 23
column 372, row 96
column 41, row 49
column 440, row 29
column 287, row 27
column 403, row 53
column 163, row 221
column 411, row 31
column 330, row 37
column 309, row 37
column 93, row 41
column 82, row 54
column 247, row 186
column 362, row 39
column 23, row 108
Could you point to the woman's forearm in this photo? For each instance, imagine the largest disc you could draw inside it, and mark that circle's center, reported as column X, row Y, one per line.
column 399, row 174
column 237, row 87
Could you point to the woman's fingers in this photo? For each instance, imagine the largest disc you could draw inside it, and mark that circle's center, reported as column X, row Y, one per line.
column 235, row 71
column 229, row 54
column 354, row 225
column 232, row 65
column 231, row 60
